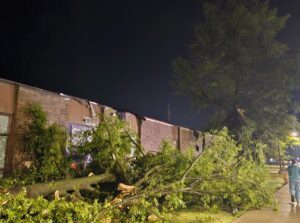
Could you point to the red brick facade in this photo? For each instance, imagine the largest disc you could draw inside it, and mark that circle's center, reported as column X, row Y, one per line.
column 187, row 139
column 153, row 132
column 53, row 104
column 66, row 110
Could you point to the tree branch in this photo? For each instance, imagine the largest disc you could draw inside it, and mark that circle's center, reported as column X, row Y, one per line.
column 190, row 167
column 134, row 142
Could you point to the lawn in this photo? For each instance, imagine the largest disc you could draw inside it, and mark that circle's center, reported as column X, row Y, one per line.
column 199, row 216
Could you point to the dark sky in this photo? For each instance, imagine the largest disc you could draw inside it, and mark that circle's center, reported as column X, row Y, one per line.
column 118, row 53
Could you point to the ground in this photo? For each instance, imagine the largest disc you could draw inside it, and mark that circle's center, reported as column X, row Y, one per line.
column 193, row 216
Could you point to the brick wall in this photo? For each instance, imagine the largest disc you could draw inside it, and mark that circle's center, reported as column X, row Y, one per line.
column 186, row 139
column 132, row 122
column 63, row 110
column 153, row 132
column 6, row 97
column 53, row 104
column 78, row 110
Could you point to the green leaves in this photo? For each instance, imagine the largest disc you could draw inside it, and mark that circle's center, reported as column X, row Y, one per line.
column 112, row 148
column 18, row 209
column 223, row 179
column 46, row 144
column 225, row 176
column 238, row 68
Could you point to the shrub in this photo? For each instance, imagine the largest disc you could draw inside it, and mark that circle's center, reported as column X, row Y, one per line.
column 46, row 144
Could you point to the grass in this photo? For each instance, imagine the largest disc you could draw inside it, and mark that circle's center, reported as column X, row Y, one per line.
column 276, row 180
column 201, row 216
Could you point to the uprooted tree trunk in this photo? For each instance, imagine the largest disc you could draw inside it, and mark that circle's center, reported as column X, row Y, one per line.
column 67, row 185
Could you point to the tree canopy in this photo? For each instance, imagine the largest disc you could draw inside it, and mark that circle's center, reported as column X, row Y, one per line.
column 237, row 67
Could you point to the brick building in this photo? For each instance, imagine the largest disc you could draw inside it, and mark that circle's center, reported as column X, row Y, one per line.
column 75, row 114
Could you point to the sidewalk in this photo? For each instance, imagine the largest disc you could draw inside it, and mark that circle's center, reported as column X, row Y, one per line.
column 287, row 213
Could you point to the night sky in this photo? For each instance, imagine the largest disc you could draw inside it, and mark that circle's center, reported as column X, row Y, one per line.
column 117, row 53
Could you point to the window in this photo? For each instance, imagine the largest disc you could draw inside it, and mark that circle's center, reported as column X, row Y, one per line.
column 75, row 133
column 4, row 121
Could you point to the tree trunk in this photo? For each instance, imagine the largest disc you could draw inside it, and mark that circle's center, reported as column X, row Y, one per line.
column 67, row 185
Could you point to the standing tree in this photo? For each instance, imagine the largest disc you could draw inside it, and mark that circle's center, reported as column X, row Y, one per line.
column 45, row 144
column 238, row 68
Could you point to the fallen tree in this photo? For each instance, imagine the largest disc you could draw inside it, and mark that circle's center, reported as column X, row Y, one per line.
column 166, row 181
column 66, row 186
column 149, row 186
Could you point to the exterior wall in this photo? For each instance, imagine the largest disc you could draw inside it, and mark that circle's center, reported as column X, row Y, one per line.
column 7, row 92
column 72, row 112
column 96, row 113
column 60, row 109
column 187, row 140
column 132, row 121
column 7, row 109
column 153, row 132
column 53, row 104
column 79, row 110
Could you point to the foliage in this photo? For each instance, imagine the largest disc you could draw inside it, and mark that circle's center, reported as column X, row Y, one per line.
column 158, row 186
column 112, row 147
column 224, row 179
column 17, row 209
column 238, row 68
column 46, row 144
column 219, row 178
column 252, row 149
column 167, row 165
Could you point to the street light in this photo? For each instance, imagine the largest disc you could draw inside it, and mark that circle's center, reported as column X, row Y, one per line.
column 294, row 133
